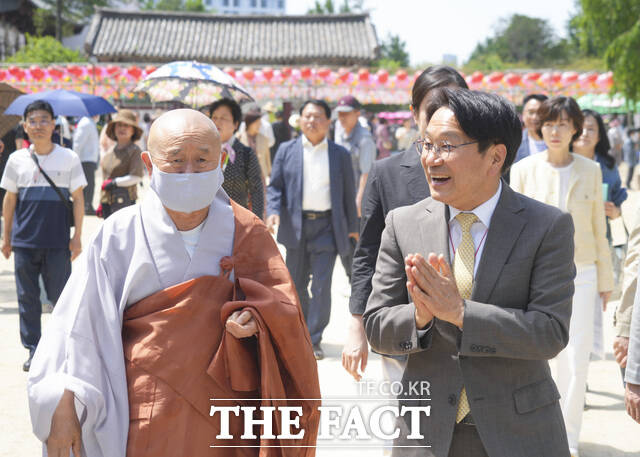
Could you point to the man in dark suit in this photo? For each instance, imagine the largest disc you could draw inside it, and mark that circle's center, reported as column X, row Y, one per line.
column 311, row 196
column 475, row 284
column 393, row 182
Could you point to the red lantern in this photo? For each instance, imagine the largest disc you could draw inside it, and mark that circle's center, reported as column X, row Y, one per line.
column 55, row 73
column 383, row 76
column 605, row 80
column 14, row 70
column 569, row 77
column 401, row 75
column 230, row 71
column 36, row 72
column 477, row 77
column 248, row 74
column 534, row 76
column 556, row 77
column 305, row 72
column 363, row 75
column 267, row 73
column 150, row 69
column 74, row 70
column 495, row 77
column 113, row 70
column 134, row 72
column 592, row 77
column 3, row 74
column 512, row 79
column 343, row 75
column 285, row 72
column 324, row 73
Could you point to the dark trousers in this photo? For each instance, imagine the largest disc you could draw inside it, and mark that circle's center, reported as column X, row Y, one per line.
column 55, row 267
column 630, row 175
column 466, row 442
column 314, row 258
column 89, row 169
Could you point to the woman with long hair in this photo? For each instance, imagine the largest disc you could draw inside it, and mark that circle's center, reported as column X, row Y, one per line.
column 572, row 183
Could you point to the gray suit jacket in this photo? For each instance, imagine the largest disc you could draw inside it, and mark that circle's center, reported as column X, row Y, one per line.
column 517, row 319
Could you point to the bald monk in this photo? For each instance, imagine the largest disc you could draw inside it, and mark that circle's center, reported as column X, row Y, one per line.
column 178, row 301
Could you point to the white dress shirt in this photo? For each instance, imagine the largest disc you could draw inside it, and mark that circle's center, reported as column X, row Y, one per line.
column 316, row 183
column 86, row 141
column 479, row 229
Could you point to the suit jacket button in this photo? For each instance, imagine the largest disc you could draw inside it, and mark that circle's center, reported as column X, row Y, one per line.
column 451, row 399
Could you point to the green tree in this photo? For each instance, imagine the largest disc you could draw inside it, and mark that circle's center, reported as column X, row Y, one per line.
column 393, row 49
column 612, row 29
column 328, row 7
column 175, row 5
column 522, row 39
column 44, row 50
column 77, row 10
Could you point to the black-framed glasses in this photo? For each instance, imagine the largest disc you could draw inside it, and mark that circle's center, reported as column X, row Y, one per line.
column 443, row 151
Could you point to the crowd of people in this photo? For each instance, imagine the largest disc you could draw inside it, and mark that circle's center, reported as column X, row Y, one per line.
column 476, row 253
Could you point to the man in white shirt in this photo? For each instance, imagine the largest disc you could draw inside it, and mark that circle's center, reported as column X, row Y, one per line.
column 311, row 196
column 86, row 143
column 475, row 285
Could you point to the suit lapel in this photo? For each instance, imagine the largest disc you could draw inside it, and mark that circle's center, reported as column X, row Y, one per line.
column 505, row 228
column 413, row 175
column 297, row 162
column 334, row 176
column 434, row 229
column 573, row 180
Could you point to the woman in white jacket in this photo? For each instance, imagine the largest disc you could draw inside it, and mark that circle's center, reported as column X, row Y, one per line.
column 574, row 184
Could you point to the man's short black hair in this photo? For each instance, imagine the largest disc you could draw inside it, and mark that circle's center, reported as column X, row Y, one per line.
column 486, row 118
column 540, row 97
column 321, row 103
column 234, row 107
column 38, row 105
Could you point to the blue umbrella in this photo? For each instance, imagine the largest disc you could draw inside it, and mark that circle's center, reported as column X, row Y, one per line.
column 64, row 102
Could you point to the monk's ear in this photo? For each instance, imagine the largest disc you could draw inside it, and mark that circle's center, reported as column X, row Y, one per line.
column 146, row 159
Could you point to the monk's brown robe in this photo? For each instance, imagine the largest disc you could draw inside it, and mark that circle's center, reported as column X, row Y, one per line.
column 179, row 359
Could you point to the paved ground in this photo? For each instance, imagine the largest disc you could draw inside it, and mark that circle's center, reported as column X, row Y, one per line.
column 607, row 430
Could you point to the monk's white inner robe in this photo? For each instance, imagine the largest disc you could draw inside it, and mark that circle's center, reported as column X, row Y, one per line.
column 191, row 237
column 136, row 252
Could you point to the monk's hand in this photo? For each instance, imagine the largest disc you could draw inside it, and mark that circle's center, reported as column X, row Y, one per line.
column 241, row 324
column 423, row 314
column 66, row 434
column 438, row 286
column 632, row 401
column 356, row 350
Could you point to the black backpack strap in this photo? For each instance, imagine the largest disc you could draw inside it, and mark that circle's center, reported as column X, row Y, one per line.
column 51, row 183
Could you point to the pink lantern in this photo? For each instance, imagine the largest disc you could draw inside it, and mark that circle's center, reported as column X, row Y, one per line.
column 383, row 76
column 545, row 79
column 605, row 80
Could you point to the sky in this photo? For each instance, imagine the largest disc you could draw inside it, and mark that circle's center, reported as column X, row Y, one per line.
column 432, row 28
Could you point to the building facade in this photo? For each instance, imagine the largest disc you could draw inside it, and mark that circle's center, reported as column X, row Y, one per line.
column 247, row 6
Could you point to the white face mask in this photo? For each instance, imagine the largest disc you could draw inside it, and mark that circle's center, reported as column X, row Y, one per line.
column 186, row 192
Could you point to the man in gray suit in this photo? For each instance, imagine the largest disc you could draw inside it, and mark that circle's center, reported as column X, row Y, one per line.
column 480, row 332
